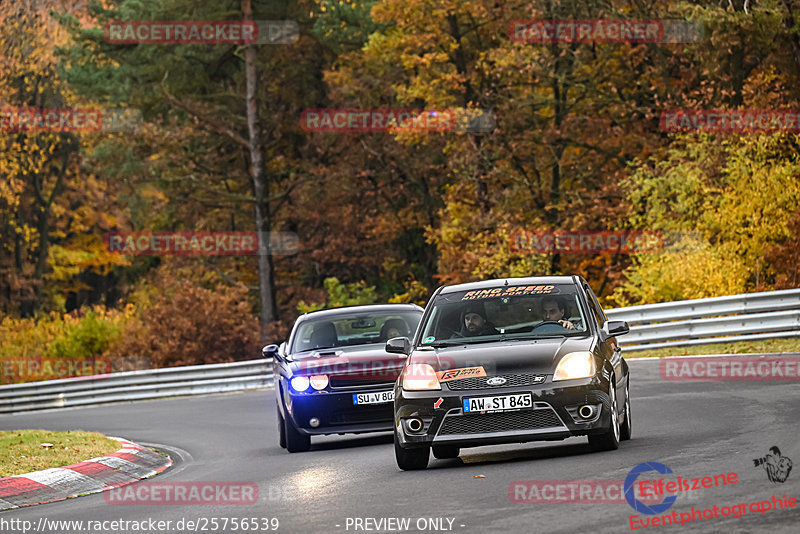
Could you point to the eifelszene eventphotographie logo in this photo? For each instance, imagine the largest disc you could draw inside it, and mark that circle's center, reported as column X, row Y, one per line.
column 777, row 466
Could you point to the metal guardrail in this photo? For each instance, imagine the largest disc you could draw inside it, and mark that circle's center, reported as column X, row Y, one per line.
column 135, row 385
column 747, row 317
column 771, row 314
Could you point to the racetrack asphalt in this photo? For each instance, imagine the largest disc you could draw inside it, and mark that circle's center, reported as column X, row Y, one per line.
column 695, row 428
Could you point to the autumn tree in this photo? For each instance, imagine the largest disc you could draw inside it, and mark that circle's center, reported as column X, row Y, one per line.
column 217, row 157
column 50, row 206
column 570, row 117
column 729, row 202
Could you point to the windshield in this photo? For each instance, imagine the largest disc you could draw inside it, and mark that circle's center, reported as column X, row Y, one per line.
column 354, row 329
column 504, row 312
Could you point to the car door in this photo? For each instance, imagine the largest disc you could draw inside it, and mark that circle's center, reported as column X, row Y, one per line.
column 609, row 347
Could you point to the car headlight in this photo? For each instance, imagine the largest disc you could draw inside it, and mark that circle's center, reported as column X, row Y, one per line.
column 420, row 377
column 575, row 365
column 319, row 382
column 300, row 383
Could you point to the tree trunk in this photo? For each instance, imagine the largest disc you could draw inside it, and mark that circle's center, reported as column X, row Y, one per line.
column 266, row 282
column 737, row 75
column 468, row 97
column 788, row 22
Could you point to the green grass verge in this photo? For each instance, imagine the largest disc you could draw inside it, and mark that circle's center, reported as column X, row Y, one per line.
column 21, row 451
column 741, row 347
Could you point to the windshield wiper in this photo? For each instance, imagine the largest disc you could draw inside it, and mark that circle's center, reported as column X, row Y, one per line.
column 475, row 341
column 441, row 344
column 482, row 340
column 534, row 338
column 315, row 348
column 460, row 341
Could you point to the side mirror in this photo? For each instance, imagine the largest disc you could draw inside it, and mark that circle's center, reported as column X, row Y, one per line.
column 616, row 328
column 270, row 351
column 399, row 345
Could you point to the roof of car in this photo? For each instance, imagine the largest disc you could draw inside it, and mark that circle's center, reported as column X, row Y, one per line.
column 533, row 280
column 348, row 310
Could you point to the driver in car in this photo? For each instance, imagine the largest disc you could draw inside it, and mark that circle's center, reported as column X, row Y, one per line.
column 554, row 309
column 474, row 323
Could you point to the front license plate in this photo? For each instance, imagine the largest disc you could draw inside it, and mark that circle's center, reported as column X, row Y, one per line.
column 498, row 403
column 373, row 398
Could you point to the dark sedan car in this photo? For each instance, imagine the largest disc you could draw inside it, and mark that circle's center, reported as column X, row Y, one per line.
column 333, row 375
column 507, row 361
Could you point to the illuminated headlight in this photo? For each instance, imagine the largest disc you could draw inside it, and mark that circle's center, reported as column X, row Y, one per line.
column 319, row 382
column 420, row 377
column 575, row 365
column 300, row 383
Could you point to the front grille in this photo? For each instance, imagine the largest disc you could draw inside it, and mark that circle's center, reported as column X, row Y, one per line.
column 363, row 414
column 479, row 382
column 499, row 422
column 386, row 379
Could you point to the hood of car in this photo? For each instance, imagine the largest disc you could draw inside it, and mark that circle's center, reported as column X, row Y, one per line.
column 359, row 364
column 538, row 356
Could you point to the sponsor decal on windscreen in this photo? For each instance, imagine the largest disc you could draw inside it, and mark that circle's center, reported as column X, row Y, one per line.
column 507, row 291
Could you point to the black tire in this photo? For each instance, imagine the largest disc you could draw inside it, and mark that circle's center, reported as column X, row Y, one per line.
column 608, row 440
column 281, row 430
column 444, row 452
column 626, row 428
column 410, row 459
column 295, row 441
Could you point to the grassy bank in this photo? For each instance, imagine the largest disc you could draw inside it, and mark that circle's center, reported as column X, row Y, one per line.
column 742, row 347
column 22, row 451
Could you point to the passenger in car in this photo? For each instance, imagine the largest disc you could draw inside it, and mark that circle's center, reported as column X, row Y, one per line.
column 393, row 328
column 474, row 323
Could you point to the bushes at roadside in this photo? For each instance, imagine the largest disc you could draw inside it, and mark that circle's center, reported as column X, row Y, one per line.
column 184, row 323
column 80, row 333
column 58, row 346
column 168, row 323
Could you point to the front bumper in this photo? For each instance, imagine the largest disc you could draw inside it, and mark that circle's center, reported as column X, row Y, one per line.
column 554, row 415
column 336, row 412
